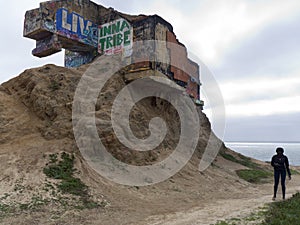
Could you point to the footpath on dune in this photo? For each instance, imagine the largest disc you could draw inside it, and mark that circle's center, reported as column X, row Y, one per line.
column 243, row 209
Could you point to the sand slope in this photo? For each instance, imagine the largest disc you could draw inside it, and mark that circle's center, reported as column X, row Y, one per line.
column 35, row 121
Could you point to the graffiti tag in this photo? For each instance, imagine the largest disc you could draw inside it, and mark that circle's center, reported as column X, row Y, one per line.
column 115, row 37
column 76, row 27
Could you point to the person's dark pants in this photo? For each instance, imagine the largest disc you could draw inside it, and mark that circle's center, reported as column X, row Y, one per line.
column 277, row 175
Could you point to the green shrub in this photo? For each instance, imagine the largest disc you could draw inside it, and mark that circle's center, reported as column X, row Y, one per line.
column 229, row 157
column 243, row 160
column 246, row 161
column 294, row 172
column 73, row 186
column 63, row 170
column 60, row 169
column 284, row 212
column 253, row 176
column 4, row 208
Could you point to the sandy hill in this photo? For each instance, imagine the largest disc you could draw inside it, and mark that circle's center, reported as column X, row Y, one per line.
column 36, row 134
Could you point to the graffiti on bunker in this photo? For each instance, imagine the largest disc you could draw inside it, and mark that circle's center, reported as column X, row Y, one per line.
column 76, row 59
column 85, row 29
column 74, row 26
column 115, row 37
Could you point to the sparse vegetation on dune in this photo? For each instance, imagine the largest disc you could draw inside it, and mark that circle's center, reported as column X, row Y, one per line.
column 61, row 167
column 255, row 173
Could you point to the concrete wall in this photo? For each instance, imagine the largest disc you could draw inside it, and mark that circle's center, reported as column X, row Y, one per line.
column 72, row 24
column 189, row 76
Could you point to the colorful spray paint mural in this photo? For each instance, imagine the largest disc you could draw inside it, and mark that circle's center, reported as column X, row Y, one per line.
column 74, row 26
column 76, row 59
column 85, row 29
column 116, row 37
column 71, row 25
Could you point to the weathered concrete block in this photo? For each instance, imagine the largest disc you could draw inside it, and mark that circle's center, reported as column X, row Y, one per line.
column 86, row 29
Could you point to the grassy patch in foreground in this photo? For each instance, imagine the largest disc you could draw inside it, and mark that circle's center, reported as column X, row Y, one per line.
column 284, row 212
column 276, row 213
column 254, row 175
column 256, row 217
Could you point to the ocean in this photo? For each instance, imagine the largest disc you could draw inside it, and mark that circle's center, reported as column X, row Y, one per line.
column 265, row 151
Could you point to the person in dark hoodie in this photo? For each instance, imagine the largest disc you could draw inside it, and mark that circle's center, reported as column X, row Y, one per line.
column 281, row 165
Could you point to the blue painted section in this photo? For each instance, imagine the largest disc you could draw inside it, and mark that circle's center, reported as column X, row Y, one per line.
column 76, row 59
column 75, row 27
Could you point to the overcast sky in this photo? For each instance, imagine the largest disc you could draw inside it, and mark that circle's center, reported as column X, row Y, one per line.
column 251, row 46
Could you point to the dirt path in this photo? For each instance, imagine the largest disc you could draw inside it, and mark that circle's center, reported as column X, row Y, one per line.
column 225, row 209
